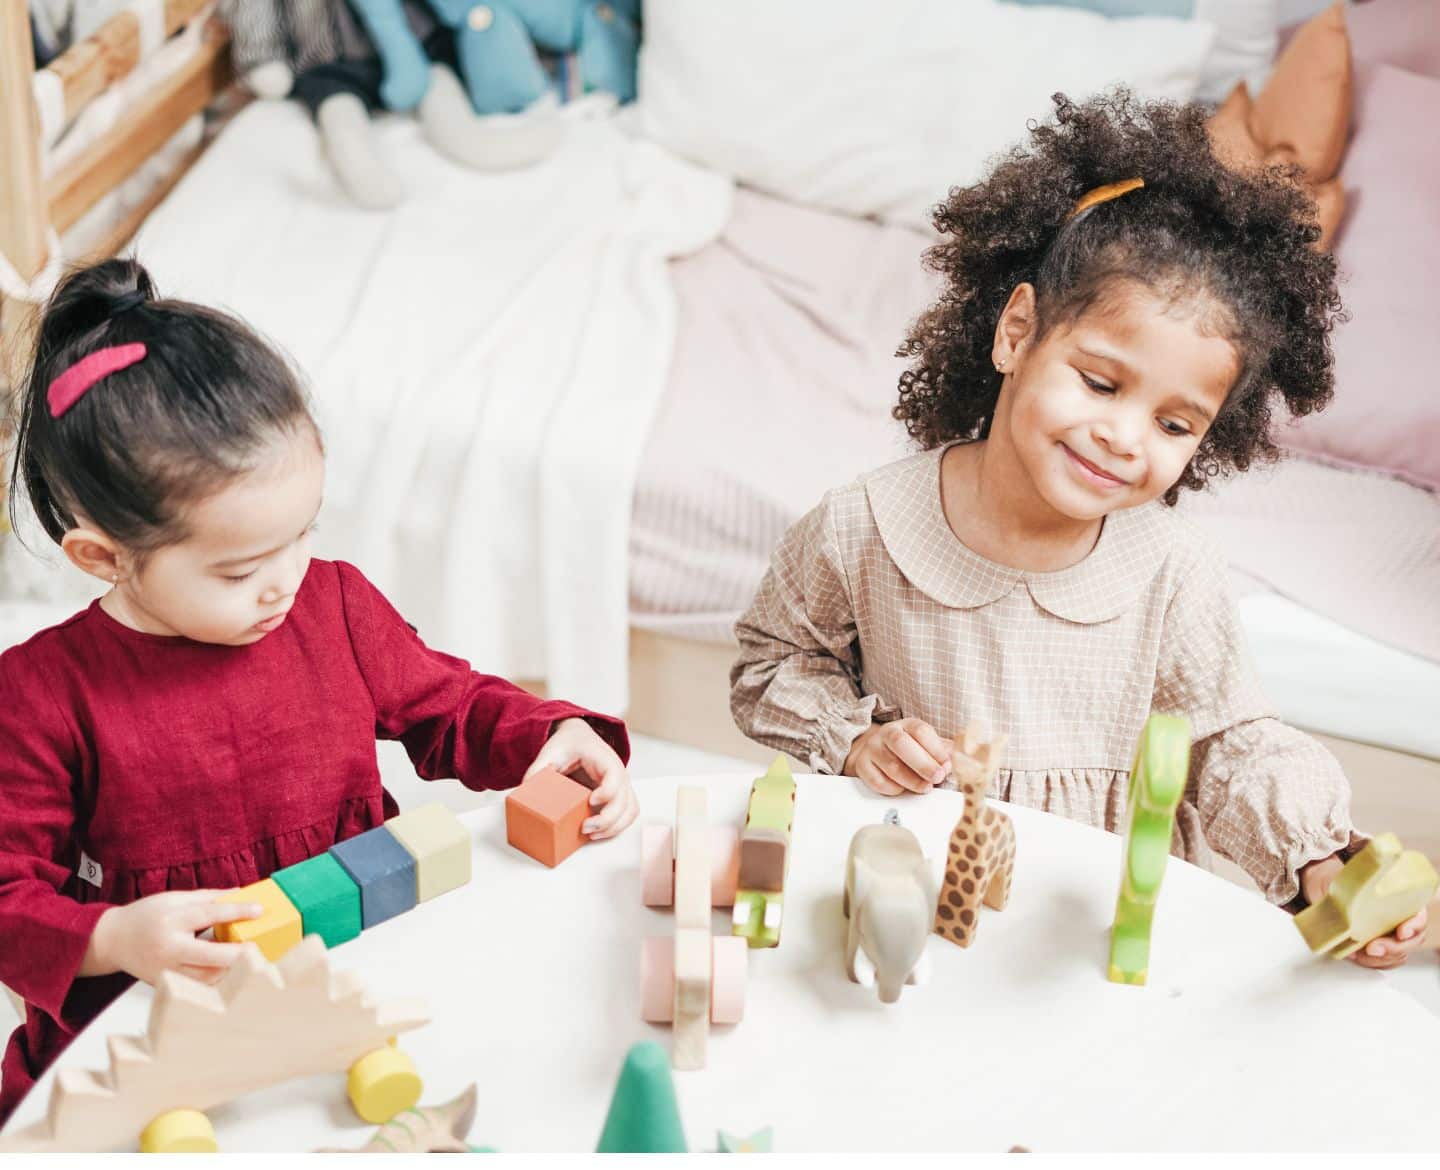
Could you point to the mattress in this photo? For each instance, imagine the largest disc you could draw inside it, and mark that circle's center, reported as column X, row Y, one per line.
column 781, row 387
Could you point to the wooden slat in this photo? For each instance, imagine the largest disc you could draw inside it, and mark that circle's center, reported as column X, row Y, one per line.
column 22, row 192
column 110, row 53
column 141, row 132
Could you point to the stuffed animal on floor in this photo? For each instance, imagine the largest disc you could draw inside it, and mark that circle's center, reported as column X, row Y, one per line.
column 319, row 53
column 499, row 46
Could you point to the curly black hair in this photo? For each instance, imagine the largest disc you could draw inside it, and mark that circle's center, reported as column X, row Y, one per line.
column 1245, row 242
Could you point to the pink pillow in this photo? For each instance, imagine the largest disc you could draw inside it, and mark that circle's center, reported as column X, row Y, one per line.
column 1396, row 32
column 1386, row 410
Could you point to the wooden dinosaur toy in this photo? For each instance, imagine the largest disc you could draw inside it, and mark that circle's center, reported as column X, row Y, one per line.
column 980, row 863
column 1157, row 782
column 428, row 1129
column 1379, row 888
column 262, row 1024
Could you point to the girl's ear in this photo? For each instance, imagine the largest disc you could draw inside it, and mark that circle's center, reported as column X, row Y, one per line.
column 91, row 551
column 1015, row 327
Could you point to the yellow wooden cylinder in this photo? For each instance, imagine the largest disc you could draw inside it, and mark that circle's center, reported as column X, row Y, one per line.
column 383, row 1083
column 181, row 1131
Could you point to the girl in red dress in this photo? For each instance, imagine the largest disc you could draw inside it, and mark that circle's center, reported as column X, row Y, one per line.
column 213, row 717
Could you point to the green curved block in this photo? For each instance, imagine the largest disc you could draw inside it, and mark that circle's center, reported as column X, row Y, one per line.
column 765, row 857
column 644, row 1117
column 1379, row 888
column 1157, row 782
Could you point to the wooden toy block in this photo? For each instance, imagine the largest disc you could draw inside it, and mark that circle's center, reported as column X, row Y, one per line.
column 384, row 871
column 694, row 978
column 691, row 1018
column 261, row 1025
column 544, row 815
column 692, row 861
column 1380, row 887
column 276, row 930
column 765, row 857
column 440, row 844
column 980, row 861
column 326, row 897
column 1157, row 782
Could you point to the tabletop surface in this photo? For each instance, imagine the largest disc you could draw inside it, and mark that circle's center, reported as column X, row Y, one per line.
column 1241, row 1040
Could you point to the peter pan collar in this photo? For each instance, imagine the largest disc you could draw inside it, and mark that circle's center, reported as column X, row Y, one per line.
column 905, row 501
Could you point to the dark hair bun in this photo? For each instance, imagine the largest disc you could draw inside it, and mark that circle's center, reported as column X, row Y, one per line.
column 87, row 298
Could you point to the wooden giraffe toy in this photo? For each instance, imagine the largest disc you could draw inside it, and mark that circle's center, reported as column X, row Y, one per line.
column 980, row 863
column 1380, row 887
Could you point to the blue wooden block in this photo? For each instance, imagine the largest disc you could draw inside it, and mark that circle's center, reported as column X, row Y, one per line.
column 383, row 869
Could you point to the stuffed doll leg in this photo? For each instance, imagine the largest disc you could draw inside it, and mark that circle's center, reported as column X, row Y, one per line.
column 349, row 140
column 496, row 142
column 407, row 70
column 498, row 60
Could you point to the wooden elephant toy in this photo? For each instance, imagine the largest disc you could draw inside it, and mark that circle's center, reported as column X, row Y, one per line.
column 890, row 903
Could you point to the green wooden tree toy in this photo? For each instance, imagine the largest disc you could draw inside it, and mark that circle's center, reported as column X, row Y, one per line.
column 644, row 1117
column 1379, row 888
column 765, row 857
column 1157, row 782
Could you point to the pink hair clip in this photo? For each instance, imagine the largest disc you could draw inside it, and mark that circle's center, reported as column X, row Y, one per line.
column 71, row 386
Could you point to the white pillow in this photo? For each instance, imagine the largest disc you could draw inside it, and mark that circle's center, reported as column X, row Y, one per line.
column 880, row 108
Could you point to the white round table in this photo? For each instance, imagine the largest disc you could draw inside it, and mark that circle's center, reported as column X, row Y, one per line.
column 1241, row 1040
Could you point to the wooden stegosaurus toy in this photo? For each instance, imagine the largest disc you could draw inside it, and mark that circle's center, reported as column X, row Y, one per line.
column 264, row 1023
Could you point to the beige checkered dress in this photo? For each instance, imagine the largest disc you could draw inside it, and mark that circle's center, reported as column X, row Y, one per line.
column 872, row 610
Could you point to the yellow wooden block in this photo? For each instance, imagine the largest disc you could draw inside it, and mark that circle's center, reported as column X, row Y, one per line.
column 440, row 845
column 276, row 930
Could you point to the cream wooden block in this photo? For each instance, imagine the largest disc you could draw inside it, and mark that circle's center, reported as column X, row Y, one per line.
column 435, row 838
column 262, row 1024
column 692, row 996
column 692, row 861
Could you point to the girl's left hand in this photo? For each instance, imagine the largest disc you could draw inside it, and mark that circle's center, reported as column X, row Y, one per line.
column 575, row 749
column 1389, row 950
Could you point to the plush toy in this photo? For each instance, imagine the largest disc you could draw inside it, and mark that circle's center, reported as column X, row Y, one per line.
column 318, row 53
column 501, row 48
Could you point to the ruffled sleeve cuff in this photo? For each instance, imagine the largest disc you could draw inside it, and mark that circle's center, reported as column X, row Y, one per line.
column 836, row 731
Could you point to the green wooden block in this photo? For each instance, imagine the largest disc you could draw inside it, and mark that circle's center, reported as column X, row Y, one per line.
column 328, row 900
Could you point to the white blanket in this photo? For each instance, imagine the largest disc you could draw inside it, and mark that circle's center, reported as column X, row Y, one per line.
column 486, row 360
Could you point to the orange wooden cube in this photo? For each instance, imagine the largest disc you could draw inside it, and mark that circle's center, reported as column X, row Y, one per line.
column 543, row 816
column 276, row 930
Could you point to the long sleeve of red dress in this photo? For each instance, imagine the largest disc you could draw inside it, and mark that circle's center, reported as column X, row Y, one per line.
column 131, row 764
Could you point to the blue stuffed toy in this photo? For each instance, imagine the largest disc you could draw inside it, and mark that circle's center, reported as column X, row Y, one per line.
column 499, row 45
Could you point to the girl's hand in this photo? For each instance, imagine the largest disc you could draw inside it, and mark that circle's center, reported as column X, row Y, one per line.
column 575, row 749
column 158, row 934
column 1390, row 950
column 906, row 755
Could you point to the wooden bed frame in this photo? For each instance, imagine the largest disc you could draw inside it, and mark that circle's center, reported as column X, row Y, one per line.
column 31, row 206
column 680, row 688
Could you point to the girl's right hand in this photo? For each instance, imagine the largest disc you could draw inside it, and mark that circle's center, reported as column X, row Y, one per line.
column 158, row 934
column 906, row 755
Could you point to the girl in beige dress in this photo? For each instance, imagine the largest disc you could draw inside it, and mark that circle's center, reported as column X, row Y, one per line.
column 1120, row 318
